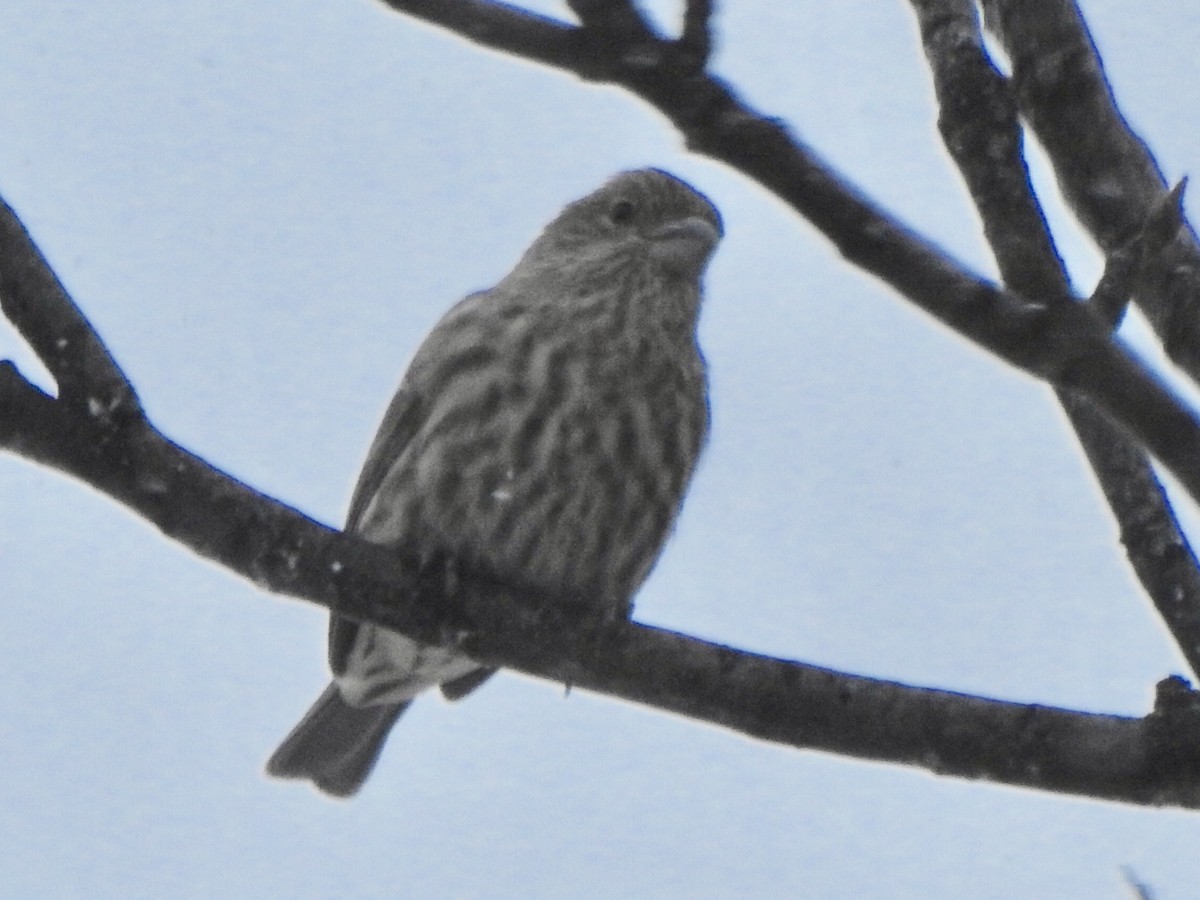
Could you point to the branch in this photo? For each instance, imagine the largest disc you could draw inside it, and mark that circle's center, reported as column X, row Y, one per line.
column 1104, row 170
column 1064, row 344
column 979, row 126
column 1127, row 265
column 34, row 300
column 1151, row 760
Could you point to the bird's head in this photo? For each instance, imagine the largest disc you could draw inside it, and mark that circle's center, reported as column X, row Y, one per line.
column 645, row 215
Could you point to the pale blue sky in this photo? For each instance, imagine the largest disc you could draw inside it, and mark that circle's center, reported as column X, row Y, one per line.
column 263, row 207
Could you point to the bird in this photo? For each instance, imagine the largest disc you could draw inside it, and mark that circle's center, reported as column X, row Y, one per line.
column 546, row 431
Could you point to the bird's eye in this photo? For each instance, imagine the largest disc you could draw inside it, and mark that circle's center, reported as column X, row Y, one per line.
column 622, row 212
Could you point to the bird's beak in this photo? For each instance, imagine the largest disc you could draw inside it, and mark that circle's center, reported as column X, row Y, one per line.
column 684, row 245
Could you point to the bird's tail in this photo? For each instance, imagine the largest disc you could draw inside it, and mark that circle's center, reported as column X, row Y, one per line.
column 335, row 745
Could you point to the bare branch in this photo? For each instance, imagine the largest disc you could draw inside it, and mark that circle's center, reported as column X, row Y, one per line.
column 979, row 125
column 1105, row 171
column 1127, row 266
column 695, row 39
column 1141, row 890
column 34, row 300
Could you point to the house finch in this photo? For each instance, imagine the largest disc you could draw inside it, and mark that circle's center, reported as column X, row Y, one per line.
column 545, row 431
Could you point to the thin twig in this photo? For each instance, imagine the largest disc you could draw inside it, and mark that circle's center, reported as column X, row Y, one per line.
column 1125, row 267
column 695, row 38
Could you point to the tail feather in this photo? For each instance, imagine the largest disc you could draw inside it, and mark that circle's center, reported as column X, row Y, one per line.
column 335, row 745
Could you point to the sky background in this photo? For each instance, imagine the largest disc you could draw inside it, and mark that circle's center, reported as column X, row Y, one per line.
column 264, row 207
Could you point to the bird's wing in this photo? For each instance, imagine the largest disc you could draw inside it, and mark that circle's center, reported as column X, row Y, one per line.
column 400, row 422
